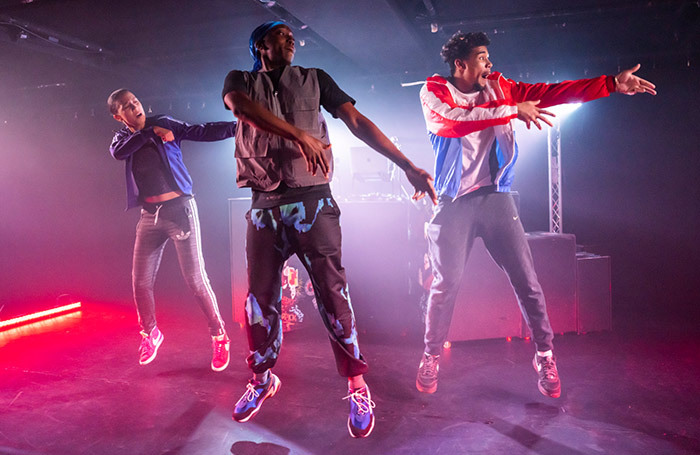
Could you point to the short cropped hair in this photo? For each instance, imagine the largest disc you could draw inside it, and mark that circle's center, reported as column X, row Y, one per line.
column 113, row 99
column 460, row 45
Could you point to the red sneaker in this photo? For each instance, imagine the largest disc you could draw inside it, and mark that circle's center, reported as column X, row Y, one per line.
column 220, row 357
column 149, row 346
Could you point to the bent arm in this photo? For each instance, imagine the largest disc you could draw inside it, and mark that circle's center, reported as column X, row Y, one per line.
column 247, row 110
column 206, row 132
column 446, row 117
column 124, row 144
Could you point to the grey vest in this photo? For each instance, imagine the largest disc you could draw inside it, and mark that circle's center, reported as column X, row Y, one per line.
column 264, row 160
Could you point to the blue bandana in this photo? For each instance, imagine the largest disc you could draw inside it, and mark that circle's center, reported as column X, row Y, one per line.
column 258, row 34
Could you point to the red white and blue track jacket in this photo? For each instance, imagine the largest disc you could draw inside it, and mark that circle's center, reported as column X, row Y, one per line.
column 449, row 117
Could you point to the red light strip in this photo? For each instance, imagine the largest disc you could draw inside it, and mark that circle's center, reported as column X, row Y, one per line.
column 40, row 314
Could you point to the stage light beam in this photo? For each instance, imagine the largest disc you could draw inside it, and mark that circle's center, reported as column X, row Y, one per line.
column 563, row 110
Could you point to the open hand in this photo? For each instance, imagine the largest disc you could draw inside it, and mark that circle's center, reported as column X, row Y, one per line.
column 528, row 112
column 629, row 84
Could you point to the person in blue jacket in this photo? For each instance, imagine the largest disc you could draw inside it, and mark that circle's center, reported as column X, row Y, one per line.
column 158, row 181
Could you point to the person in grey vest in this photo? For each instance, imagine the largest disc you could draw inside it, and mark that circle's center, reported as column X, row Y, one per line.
column 283, row 154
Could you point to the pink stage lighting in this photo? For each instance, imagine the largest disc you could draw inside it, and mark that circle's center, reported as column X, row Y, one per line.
column 39, row 315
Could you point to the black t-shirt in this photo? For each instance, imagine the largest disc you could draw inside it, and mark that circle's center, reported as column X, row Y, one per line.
column 150, row 172
column 285, row 195
column 331, row 97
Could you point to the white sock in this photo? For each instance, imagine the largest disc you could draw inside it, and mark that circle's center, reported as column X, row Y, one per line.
column 545, row 353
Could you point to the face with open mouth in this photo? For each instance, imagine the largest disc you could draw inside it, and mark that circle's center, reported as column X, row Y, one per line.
column 477, row 68
column 131, row 112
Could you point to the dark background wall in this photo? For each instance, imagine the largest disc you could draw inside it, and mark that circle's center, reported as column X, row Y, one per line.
column 630, row 168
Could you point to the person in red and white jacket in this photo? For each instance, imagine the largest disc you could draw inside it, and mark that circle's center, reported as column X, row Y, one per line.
column 468, row 116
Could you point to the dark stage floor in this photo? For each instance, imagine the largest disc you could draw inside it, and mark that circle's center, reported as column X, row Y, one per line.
column 75, row 387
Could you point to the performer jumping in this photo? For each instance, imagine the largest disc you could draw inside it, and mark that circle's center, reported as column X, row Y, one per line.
column 468, row 116
column 157, row 179
column 283, row 154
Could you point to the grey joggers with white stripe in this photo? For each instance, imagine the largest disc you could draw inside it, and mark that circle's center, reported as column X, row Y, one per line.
column 177, row 220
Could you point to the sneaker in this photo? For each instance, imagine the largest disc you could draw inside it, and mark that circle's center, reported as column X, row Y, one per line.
column 149, row 346
column 548, row 382
column 427, row 379
column 361, row 418
column 220, row 348
column 254, row 396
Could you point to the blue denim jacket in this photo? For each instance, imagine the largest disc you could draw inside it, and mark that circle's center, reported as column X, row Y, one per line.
column 127, row 142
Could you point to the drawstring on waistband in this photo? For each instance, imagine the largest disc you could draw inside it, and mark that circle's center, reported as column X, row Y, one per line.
column 158, row 207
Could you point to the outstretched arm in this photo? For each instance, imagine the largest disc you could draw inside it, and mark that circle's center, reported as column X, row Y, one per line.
column 578, row 91
column 247, row 110
column 364, row 129
column 629, row 84
column 582, row 90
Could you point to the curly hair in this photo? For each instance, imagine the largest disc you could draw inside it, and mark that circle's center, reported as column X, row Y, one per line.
column 460, row 45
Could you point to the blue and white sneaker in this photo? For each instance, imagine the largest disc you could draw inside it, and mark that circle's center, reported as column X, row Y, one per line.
column 361, row 418
column 254, row 396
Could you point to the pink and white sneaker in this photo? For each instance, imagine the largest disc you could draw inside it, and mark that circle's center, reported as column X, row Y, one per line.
column 220, row 347
column 149, row 346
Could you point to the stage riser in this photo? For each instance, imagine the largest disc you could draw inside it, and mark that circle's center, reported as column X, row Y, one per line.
column 594, row 294
column 486, row 305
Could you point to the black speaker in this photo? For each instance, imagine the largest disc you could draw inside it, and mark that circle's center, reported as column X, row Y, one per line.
column 594, row 293
column 555, row 264
column 486, row 305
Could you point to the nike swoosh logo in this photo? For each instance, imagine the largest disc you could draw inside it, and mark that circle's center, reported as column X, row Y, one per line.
column 515, row 218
